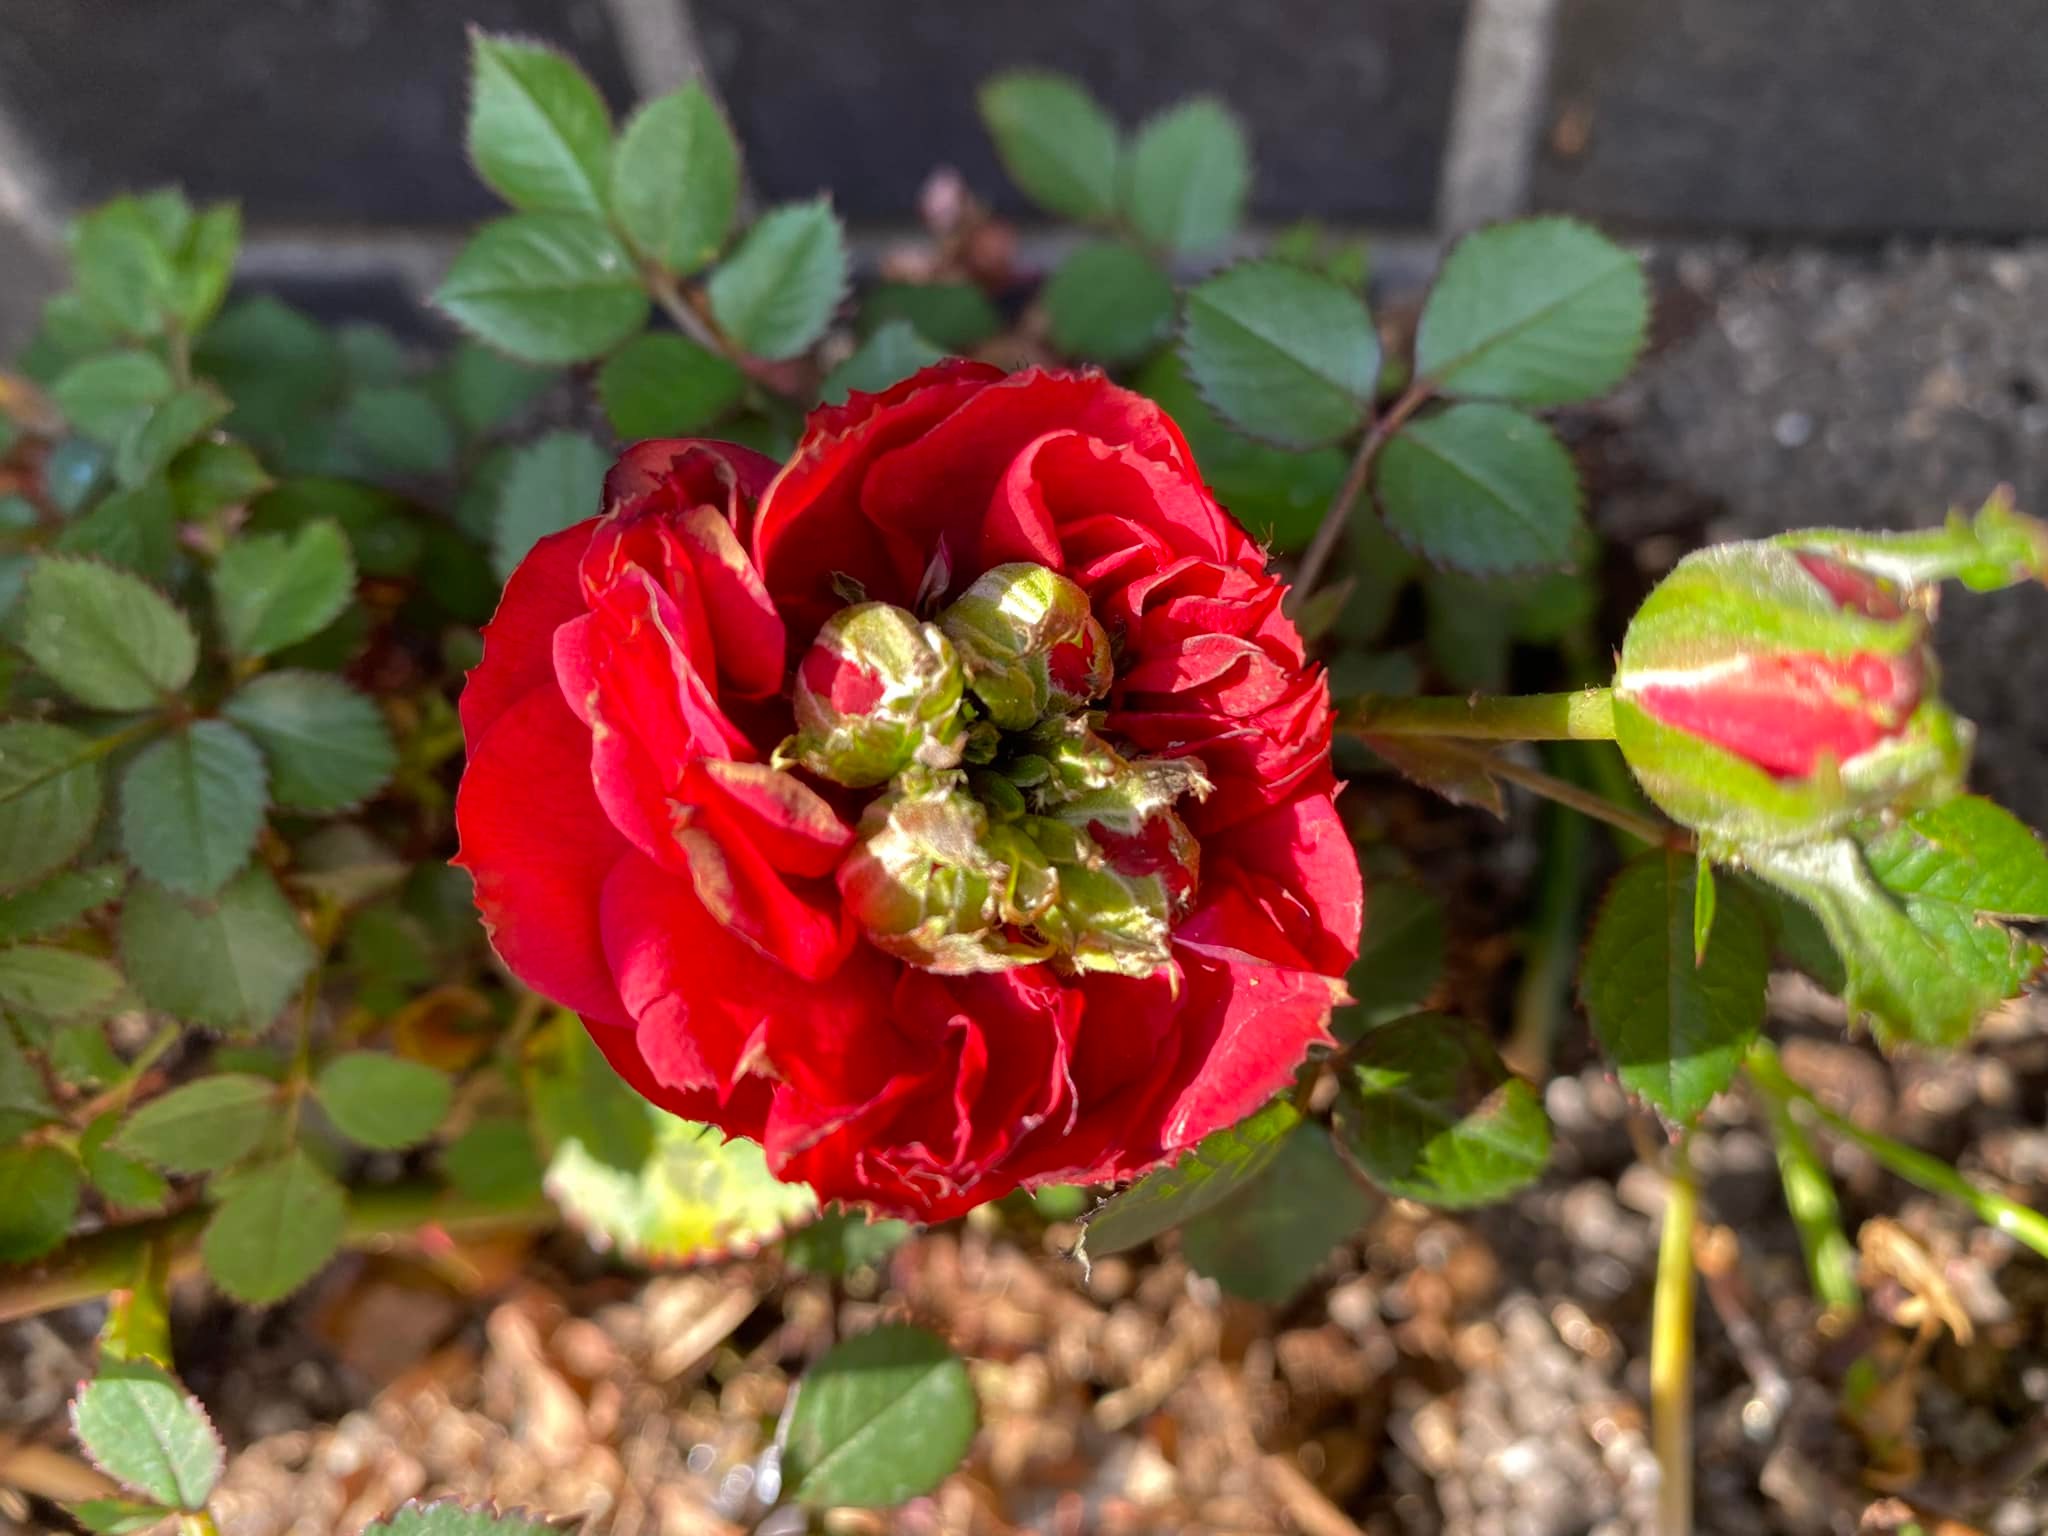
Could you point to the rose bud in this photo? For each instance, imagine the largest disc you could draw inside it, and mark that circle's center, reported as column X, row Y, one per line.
column 927, row 882
column 1030, row 644
column 1769, row 692
column 876, row 692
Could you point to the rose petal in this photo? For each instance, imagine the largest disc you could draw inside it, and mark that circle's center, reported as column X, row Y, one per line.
column 542, row 595
column 540, row 850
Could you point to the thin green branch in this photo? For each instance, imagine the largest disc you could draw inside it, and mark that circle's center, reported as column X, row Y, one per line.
column 382, row 1218
column 1657, row 834
column 1585, row 714
column 1313, row 561
column 1930, row 1173
column 1671, row 1335
column 1810, row 1196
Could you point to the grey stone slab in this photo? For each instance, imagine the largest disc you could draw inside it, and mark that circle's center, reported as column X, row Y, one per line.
column 1347, row 100
column 1846, row 117
column 320, row 112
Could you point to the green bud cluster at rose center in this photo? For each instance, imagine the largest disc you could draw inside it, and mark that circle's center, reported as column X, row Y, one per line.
column 1008, row 831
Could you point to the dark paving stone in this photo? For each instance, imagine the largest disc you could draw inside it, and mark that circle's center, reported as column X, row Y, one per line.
column 309, row 111
column 1843, row 117
column 1347, row 101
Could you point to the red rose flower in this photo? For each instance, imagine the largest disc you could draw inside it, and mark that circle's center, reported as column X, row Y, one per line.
column 814, row 792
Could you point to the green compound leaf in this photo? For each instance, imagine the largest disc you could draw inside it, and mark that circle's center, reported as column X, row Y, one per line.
column 275, row 1227
column 840, row 1241
column 122, row 268
column 1912, row 910
column 59, row 901
column 486, row 390
column 1056, row 142
column 39, row 1190
column 577, row 1097
column 1429, row 1113
column 880, row 1419
column 694, row 1197
column 109, row 396
column 545, row 288
column 135, row 529
column 1223, row 1163
column 659, row 385
column 327, row 745
column 446, row 1518
column 272, row 590
column 149, row 1434
column 676, row 180
column 957, row 316
column 1283, row 353
column 776, row 293
column 49, row 799
column 383, row 1102
column 203, row 1126
column 1108, row 303
column 1480, row 488
column 539, row 133
column 495, row 1159
column 1190, row 169
column 1279, row 496
column 230, row 963
column 24, row 1099
column 118, row 1517
column 148, row 448
column 278, row 365
column 892, row 354
column 1543, row 312
column 126, row 1183
column 1675, row 1030
column 107, row 639
column 56, row 983
column 398, row 429
column 1269, row 1237
column 192, row 805
column 211, row 475
column 551, row 483
column 1400, row 956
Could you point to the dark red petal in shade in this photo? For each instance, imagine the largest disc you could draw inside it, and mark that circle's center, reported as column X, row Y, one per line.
column 748, row 636
column 1068, row 478
column 744, row 1112
column 935, row 490
column 810, row 527
column 542, row 595
column 799, row 924
column 540, row 849
column 1788, row 713
column 691, row 464
column 845, row 1050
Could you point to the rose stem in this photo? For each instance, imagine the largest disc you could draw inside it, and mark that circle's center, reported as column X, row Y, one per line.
column 1909, row 1163
column 378, row 1218
column 1331, row 528
column 1671, row 1330
column 1810, row 1196
column 1584, row 714
column 1551, row 942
